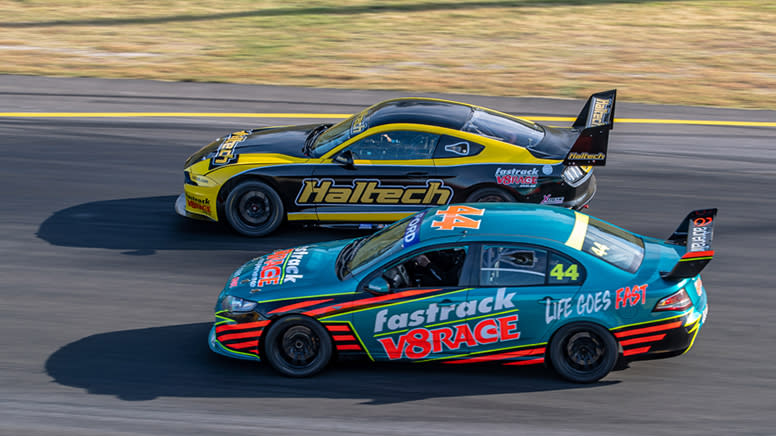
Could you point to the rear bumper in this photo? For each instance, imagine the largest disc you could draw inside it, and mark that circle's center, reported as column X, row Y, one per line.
column 582, row 194
column 659, row 339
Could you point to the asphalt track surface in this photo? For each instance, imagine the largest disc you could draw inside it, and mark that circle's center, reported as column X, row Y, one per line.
column 107, row 295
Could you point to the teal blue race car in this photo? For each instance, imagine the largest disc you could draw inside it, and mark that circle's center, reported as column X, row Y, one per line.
column 514, row 284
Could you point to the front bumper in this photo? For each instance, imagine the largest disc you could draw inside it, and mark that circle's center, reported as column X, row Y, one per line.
column 185, row 205
column 217, row 347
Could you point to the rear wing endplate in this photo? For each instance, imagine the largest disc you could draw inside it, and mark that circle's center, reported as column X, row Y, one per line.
column 696, row 232
column 595, row 120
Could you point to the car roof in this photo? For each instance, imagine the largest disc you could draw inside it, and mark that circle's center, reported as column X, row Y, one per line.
column 441, row 113
column 499, row 221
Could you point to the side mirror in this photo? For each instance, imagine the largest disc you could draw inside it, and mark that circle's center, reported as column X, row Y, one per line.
column 345, row 159
column 379, row 284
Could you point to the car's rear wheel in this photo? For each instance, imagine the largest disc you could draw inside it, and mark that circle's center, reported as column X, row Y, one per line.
column 490, row 195
column 297, row 346
column 583, row 352
column 253, row 208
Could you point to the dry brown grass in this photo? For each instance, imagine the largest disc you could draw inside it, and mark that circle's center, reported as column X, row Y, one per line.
column 711, row 52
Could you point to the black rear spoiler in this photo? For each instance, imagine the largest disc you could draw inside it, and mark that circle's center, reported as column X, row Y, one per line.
column 595, row 120
column 696, row 232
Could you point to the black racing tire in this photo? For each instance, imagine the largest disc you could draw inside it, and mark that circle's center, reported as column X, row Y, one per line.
column 490, row 195
column 254, row 209
column 297, row 346
column 583, row 352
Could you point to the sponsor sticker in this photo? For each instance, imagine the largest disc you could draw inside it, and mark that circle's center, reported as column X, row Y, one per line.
column 419, row 342
column 521, row 177
column 198, row 204
column 549, row 199
column 279, row 267
column 412, row 232
column 371, row 191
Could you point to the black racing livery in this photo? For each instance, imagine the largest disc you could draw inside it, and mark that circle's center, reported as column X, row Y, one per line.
column 394, row 159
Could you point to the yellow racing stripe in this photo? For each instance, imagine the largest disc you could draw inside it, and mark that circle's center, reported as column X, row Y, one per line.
column 577, row 236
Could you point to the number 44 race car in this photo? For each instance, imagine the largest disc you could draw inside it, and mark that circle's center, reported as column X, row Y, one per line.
column 449, row 285
column 394, row 159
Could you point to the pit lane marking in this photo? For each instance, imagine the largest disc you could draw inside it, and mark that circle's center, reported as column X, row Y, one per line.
column 342, row 116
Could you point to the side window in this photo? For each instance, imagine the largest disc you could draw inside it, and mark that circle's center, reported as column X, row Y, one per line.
column 435, row 268
column 451, row 146
column 512, row 266
column 564, row 271
column 397, row 145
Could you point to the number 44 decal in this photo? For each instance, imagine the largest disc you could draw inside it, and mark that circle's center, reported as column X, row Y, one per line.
column 559, row 273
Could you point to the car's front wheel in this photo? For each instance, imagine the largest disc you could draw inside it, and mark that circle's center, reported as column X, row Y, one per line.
column 297, row 346
column 253, row 208
column 583, row 352
column 490, row 195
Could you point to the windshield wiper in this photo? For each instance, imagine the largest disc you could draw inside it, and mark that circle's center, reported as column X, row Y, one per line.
column 308, row 143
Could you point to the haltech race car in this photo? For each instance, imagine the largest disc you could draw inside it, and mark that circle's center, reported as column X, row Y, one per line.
column 391, row 160
column 451, row 285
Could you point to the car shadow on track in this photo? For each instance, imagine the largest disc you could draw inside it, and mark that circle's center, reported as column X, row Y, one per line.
column 141, row 226
column 144, row 364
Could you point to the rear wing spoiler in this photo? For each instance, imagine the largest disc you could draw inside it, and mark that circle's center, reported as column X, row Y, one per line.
column 696, row 232
column 595, row 121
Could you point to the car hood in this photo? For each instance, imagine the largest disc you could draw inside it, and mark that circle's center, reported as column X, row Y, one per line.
column 288, row 273
column 287, row 140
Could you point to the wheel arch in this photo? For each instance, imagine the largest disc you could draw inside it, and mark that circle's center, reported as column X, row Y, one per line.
column 227, row 187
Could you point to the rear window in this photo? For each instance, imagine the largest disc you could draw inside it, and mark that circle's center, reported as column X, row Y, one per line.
column 504, row 128
column 613, row 245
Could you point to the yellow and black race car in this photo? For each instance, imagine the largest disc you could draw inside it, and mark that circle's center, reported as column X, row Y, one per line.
column 391, row 160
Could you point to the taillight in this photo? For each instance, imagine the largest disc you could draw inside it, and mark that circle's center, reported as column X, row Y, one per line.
column 574, row 175
column 677, row 301
column 699, row 287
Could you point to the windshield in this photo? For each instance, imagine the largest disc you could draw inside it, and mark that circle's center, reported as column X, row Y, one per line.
column 614, row 245
column 384, row 242
column 331, row 138
column 504, row 128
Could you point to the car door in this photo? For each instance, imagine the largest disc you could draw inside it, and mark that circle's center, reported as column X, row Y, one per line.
column 381, row 176
column 521, row 290
column 417, row 298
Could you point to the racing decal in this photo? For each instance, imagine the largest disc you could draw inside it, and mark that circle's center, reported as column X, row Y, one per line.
column 297, row 306
column 370, row 191
column 594, row 302
column 630, row 296
column 420, row 342
column 526, row 355
column 639, row 338
column 549, row 199
column 600, row 112
column 434, row 313
column 585, row 156
column 364, row 303
column 453, row 218
column 225, row 153
column 700, row 236
column 278, row 267
column 242, row 337
column 412, row 232
column 522, row 177
column 344, row 337
column 198, row 204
